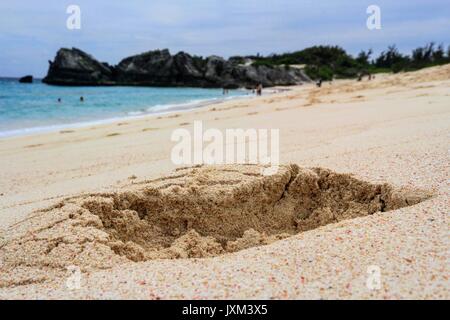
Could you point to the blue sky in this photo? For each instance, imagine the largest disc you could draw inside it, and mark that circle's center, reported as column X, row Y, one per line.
column 32, row 31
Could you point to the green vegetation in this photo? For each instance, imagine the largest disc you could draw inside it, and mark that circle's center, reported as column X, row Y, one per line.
column 328, row 62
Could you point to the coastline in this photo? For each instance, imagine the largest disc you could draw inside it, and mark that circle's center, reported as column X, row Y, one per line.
column 156, row 110
column 393, row 129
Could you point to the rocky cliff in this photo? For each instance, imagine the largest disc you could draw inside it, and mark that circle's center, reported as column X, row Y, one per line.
column 77, row 68
column 160, row 68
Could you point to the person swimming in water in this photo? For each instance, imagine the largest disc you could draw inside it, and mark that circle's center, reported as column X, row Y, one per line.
column 59, row 100
column 81, row 99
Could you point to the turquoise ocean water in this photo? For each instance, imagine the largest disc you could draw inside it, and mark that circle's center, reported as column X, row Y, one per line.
column 30, row 108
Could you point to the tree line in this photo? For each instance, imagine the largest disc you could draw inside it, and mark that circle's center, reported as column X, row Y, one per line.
column 329, row 62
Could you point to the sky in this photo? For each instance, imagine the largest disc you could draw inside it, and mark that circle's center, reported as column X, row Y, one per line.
column 31, row 32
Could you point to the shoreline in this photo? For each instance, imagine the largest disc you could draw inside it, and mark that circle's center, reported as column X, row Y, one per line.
column 163, row 109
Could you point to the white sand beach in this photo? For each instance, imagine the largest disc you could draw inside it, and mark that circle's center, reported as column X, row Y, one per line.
column 73, row 198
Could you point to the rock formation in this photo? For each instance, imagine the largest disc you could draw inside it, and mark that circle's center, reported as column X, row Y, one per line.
column 160, row 68
column 75, row 67
column 26, row 79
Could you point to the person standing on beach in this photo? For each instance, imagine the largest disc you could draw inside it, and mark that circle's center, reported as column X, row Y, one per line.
column 259, row 89
column 319, row 83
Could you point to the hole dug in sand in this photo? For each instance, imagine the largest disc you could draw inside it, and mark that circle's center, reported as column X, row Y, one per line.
column 194, row 213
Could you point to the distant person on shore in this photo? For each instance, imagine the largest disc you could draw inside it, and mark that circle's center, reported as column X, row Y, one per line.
column 81, row 99
column 259, row 89
column 319, row 83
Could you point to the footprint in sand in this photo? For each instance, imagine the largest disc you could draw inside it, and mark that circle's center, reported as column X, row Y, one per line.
column 149, row 129
column 34, row 145
column 164, row 218
column 115, row 134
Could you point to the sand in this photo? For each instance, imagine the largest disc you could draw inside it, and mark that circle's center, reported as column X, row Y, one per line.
column 365, row 182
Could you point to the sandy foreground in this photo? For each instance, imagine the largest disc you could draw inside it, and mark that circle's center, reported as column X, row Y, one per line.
column 107, row 200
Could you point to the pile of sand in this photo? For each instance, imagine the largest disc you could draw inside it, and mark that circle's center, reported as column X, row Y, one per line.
column 194, row 213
